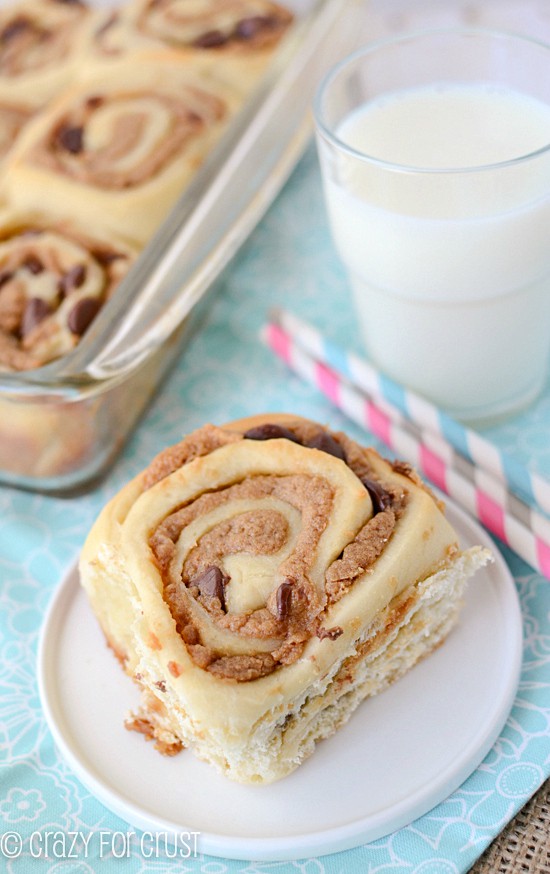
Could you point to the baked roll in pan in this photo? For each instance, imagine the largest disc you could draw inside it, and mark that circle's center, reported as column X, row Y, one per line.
column 117, row 150
column 258, row 581
column 234, row 38
column 54, row 279
column 40, row 46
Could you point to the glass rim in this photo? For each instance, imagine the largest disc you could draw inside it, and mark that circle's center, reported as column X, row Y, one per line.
column 369, row 49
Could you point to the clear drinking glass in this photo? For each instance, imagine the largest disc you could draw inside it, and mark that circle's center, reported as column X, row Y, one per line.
column 435, row 157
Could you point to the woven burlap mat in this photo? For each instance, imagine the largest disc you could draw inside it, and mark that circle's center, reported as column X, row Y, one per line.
column 524, row 845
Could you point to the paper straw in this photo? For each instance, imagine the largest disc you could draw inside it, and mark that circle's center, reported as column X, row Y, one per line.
column 529, row 486
column 525, row 532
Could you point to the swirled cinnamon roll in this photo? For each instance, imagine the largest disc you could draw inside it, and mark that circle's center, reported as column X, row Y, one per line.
column 235, row 37
column 235, row 25
column 259, row 580
column 118, row 149
column 40, row 42
column 223, row 26
column 54, row 279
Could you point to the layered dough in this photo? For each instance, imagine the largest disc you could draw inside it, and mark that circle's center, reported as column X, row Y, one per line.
column 235, row 38
column 54, row 279
column 259, row 580
column 13, row 118
column 40, row 45
column 118, row 149
column 236, row 26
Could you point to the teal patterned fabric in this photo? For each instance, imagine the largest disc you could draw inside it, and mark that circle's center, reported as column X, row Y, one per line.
column 225, row 372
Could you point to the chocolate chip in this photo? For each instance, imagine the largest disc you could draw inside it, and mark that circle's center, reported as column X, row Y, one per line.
column 14, row 28
column 283, row 598
column 5, row 276
column 71, row 138
column 270, row 431
column 106, row 257
column 33, row 264
column 212, row 583
column 160, row 684
column 95, row 101
column 210, row 40
column 82, row 314
column 381, row 499
column 329, row 633
column 72, row 279
column 35, row 312
column 326, row 443
column 247, row 28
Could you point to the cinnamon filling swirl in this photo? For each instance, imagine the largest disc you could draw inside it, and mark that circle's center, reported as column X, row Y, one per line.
column 119, row 141
column 204, row 24
column 52, row 285
column 37, row 36
column 241, row 565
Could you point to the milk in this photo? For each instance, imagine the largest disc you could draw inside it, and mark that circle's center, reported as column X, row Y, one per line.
column 450, row 270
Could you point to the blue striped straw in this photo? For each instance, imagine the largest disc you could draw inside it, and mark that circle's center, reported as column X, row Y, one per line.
column 529, row 486
column 518, row 526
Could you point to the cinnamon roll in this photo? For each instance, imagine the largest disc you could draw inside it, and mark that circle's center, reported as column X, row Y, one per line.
column 117, row 150
column 40, row 43
column 54, row 279
column 259, row 580
column 238, row 26
column 233, row 37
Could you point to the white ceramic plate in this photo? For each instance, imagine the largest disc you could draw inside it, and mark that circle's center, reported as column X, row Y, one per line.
column 401, row 753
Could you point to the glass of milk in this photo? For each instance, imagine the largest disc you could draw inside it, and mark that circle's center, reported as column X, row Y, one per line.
column 435, row 157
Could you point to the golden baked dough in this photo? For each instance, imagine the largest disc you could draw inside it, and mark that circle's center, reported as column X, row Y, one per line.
column 117, row 150
column 54, row 279
column 13, row 118
column 40, row 45
column 111, row 36
column 233, row 38
column 259, row 580
column 235, row 26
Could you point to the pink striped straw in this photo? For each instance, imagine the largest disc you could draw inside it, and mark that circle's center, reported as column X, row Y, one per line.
column 405, row 404
column 516, row 524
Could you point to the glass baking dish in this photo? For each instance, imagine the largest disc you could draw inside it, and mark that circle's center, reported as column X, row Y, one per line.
column 62, row 424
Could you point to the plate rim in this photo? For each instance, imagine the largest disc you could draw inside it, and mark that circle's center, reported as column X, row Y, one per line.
column 312, row 843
